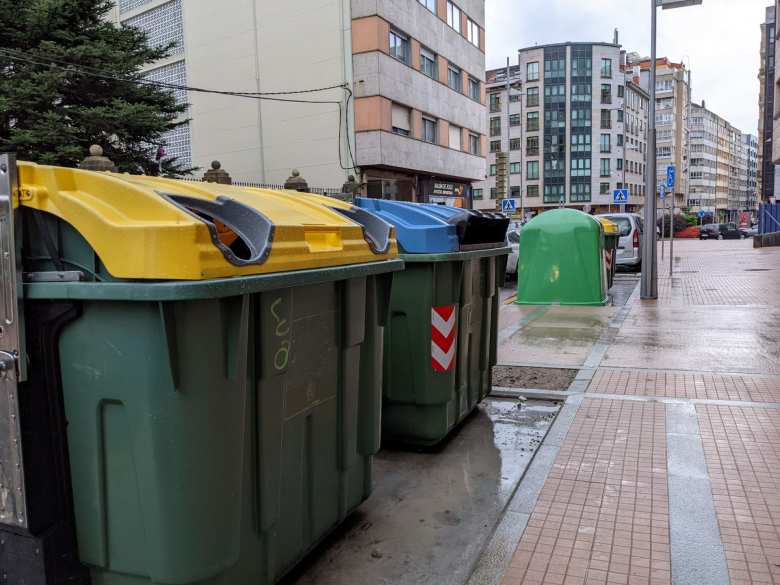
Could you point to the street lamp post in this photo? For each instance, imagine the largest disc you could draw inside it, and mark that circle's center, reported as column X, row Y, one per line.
column 649, row 284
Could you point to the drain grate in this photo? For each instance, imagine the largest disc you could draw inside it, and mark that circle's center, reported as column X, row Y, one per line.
column 533, row 377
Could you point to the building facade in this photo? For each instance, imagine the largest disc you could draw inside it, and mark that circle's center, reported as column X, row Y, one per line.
column 406, row 117
column 673, row 98
column 719, row 171
column 766, row 107
column 573, row 123
column 752, row 196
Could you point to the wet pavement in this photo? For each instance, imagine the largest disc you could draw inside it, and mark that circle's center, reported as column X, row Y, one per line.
column 432, row 512
column 662, row 467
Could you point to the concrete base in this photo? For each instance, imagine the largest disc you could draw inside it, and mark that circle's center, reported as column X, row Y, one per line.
column 766, row 240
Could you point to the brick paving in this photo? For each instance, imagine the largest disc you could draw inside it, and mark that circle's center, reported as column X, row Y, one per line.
column 742, row 451
column 602, row 516
column 688, row 385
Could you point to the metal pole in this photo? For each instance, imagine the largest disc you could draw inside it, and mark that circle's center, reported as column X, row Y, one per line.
column 649, row 286
column 663, row 228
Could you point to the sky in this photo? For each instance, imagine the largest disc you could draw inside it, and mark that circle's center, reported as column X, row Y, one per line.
column 719, row 39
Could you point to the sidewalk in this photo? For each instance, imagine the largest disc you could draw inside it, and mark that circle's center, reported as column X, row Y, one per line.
column 664, row 465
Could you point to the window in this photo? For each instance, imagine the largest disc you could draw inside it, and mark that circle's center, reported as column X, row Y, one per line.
column 493, row 192
column 580, row 192
column 514, row 119
column 455, row 137
column 554, row 193
column 474, row 144
column 665, row 152
column 620, row 140
column 453, row 16
column 474, row 89
column 472, row 32
column 619, row 165
column 513, row 98
column 429, row 4
column 620, row 116
column 580, row 142
column 532, row 97
column 514, row 168
column 605, row 144
column 453, row 78
column 532, row 121
column 621, row 91
column 606, row 93
column 581, row 92
column 532, row 71
column 495, row 126
column 399, row 46
column 532, row 191
column 429, row 130
column 603, row 188
column 605, row 170
column 664, row 85
column 606, row 68
column 401, row 119
column 606, row 119
column 532, row 169
column 515, row 143
column 476, row 193
column 495, row 146
column 428, row 63
column 580, row 118
column 163, row 25
column 532, row 146
column 495, row 102
column 514, row 193
column 492, row 170
column 580, row 167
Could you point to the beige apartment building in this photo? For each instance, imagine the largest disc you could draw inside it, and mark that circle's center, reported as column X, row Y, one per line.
column 413, row 126
column 572, row 120
column 673, row 98
column 719, row 165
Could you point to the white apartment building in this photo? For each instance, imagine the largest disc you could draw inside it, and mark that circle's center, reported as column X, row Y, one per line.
column 414, row 124
column 752, row 195
column 573, row 122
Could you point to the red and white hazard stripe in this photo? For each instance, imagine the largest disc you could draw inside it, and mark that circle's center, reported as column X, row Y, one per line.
column 443, row 335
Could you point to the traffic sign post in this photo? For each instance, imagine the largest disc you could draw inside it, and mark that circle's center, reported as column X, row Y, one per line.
column 509, row 205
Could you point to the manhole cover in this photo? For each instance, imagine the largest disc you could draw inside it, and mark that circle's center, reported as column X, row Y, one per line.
column 757, row 269
column 531, row 377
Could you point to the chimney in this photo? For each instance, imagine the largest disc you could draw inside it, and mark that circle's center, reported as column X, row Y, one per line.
column 703, row 105
column 616, row 40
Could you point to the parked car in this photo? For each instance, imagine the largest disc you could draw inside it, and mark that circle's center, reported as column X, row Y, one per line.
column 629, row 251
column 722, row 231
column 513, row 239
column 751, row 231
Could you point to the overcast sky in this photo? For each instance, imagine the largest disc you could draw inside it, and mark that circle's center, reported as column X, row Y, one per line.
column 720, row 39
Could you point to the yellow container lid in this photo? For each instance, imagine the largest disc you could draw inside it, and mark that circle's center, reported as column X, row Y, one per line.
column 166, row 229
column 610, row 227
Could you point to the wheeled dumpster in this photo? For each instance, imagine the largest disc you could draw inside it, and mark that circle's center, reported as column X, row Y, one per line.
column 562, row 260
column 200, row 387
column 440, row 339
column 611, row 240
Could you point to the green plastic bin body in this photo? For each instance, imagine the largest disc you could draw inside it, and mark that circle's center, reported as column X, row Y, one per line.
column 423, row 399
column 217, row 430
column 562, row 260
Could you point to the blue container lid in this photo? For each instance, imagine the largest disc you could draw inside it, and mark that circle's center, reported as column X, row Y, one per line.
column 420, row 228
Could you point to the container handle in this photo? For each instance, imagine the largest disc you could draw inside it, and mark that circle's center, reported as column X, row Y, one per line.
column 254, row 231
column 376, row 231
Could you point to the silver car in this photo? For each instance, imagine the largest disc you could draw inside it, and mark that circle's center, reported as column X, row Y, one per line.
column 631, row 226
column 513, row 240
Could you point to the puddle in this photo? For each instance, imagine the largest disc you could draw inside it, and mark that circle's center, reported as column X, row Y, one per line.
column 531, row 377
column 432, row 513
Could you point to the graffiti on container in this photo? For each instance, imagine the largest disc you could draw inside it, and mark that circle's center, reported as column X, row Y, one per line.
column 281, row 331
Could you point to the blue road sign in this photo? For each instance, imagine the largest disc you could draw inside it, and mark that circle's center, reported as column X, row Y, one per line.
column 661, row 192
column 509, row 205
column 670, row 176
column 702, row 213
column 620, row 196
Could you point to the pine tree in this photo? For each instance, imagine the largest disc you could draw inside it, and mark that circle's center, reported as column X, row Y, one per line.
column 63, row 86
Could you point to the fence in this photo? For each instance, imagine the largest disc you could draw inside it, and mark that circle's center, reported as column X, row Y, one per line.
column 768, row 218
column 329, row 191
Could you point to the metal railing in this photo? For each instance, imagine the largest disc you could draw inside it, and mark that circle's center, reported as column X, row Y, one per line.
column 329, row 191
column 768, row 218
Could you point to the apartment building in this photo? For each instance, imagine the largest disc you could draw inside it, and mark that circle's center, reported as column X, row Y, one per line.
column 719, row 165
column 573, row 122
column 768, row 171
column 413, row 125
column 752, row 195
column 673, row 96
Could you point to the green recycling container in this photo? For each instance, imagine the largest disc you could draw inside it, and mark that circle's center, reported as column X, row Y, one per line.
column 217, row 429
column 440, row 342
column 563, row 260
